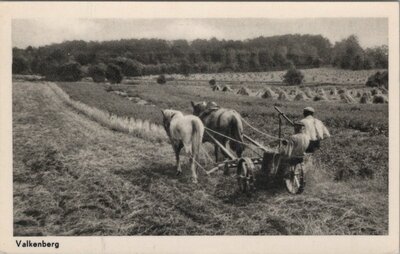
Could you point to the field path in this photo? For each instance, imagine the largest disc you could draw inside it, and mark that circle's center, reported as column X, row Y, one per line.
column 73, row 176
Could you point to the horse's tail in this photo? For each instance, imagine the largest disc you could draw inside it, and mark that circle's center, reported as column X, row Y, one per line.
column 197, row 137
column 237, row 133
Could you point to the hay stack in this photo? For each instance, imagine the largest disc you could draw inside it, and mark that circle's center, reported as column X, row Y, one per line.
column 321, row 92
column 379, row 98
column 365, row 98
column 294, row 91
column 227, row 88
column 216, row 88
column 309, row 92
column 278, row 90
column 301, row 96
column 347, row 98
column 384, row 90
column 268, row 93
column 333, row 91
column 244, row 91
column 259, row 93
column 283, row 96
column 375, row 91
column 320, row 98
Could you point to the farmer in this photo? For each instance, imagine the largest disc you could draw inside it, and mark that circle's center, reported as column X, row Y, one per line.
column 314, row 128
column 297, row 144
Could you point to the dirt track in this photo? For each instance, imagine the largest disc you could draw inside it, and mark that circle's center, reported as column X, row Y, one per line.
column 74, row 177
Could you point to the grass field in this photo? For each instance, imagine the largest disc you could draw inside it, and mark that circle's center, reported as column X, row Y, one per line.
column 76, row 176
column 311, row 76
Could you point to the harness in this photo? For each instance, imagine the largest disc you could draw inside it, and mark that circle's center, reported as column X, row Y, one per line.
column 207, row 112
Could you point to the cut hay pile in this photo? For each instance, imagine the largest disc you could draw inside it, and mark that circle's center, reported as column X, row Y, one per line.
column 321, row 92
column 309, row 92
column 376, row 91
column 260, row 93
column 379, row 98
column 301, row 96
column 365, row 98
column 347, row 98
column 268, row 93
column 333, row 91
column 227, row 88
column 283, row 96
column 243, row 91
column 321, row 95
column 384, row 90
column 278, row 90
column 294, row 91
column 320, row 98
column 216, row 88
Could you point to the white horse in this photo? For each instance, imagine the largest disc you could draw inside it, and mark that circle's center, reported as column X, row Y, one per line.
column 184, row 131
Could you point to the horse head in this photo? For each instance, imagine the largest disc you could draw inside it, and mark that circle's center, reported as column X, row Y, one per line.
column 199, row 107
column 168, row 114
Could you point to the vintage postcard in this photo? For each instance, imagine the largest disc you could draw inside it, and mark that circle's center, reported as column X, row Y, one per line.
column 215, row 127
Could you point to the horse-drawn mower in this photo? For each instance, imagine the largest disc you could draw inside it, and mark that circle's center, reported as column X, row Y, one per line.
column 274, row 165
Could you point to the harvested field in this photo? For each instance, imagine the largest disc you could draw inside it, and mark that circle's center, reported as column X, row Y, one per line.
column 87, row 179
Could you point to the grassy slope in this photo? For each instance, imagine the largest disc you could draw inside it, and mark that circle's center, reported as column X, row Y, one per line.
column 75, row 177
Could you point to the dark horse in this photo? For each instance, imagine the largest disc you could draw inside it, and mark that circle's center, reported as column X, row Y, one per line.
column 225, row 121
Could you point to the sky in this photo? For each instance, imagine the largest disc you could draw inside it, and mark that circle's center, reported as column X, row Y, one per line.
column 38, row 32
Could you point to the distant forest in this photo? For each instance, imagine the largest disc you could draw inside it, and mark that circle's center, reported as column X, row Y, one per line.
column 136, row 57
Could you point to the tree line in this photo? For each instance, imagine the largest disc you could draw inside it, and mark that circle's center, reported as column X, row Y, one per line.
column 136, row 57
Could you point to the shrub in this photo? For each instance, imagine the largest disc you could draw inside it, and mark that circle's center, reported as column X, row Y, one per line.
column 212, row 82
column 20, row 65
column 378, row 80
column 114, row 73
column 161, row 79
column 128, row 66
column 98, row 72
column 293, row 76
column 70, row 71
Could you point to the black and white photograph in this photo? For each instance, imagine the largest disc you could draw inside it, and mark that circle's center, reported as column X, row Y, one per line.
column 201, row 126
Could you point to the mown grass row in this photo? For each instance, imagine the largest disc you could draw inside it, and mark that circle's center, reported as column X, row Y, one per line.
column 137, row 127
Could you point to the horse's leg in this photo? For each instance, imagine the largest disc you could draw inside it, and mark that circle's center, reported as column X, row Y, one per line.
column 193, row 168
column 227, row 147
column 192, row 151
column 238, row 150
column 216, row 148
column 177, row 149
column 226, row 169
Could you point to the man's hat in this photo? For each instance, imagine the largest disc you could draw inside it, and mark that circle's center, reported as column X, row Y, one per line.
column 212, row 105
column 309, row 109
